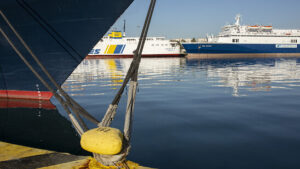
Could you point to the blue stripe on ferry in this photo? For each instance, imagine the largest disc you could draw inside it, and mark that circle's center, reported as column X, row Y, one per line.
column 213, row 48
column 118, row 49
column 123, row 49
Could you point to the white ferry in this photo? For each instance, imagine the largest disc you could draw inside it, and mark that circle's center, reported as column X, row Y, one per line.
column 117, row 45
column 245, row 39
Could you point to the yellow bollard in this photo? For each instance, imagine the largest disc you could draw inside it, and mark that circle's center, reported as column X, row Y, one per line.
column 102, row 140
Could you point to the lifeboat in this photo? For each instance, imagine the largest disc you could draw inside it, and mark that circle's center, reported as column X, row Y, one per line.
column 253, row 27
column 267, row 27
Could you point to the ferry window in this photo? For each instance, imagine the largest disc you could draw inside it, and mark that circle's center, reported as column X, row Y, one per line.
column 157, row 44
column 294, row 41
column 235, row 40
column 130, row 39
column 173, row 45
column 152, row 44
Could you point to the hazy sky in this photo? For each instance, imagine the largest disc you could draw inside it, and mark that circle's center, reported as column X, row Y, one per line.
column 196, row 18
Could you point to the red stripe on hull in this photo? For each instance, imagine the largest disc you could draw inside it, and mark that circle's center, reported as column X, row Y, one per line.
column 131, row 56
column 20, row 103
column 19, row 94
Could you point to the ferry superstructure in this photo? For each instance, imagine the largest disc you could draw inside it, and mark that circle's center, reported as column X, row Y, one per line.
column 59, row 32
column 118, row 45
column 245, row 39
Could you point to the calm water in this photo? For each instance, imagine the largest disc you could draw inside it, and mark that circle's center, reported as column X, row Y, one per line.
column 210, row 114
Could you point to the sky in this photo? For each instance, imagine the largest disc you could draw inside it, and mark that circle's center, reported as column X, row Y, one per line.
column 196, row 18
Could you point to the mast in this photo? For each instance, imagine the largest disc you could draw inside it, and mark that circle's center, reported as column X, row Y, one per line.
column 237, row 20
column 124, row 28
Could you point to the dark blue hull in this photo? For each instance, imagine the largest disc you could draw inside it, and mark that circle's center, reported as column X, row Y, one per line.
column 215, row 48
column 59, row 32
column 30, row 123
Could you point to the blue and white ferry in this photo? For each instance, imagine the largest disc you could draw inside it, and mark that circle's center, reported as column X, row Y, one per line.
column 245, row 40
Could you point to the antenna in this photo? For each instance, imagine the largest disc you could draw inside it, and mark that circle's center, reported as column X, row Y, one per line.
column 124, row 28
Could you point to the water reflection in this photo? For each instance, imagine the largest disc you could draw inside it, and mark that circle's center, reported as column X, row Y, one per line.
column 256, row 75
column 253, row 75
column 110, row 72
column 37, row 124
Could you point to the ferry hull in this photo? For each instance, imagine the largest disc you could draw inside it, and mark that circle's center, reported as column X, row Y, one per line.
column 215, row 50
column 60, row 32
column 131, row 56
column 240, row 55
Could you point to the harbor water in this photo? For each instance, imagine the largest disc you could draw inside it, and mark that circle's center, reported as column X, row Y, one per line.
column 210, row 114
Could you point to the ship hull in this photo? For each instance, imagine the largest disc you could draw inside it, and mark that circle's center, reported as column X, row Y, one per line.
column 260, row 49
column 241, row 55
column 215, row 48
column 131, row 56
column 60, row 32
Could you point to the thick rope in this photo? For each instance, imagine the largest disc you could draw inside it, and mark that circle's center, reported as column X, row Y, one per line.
column 77, row 108
column 132, row 69
column 129, row 110
column 132, row 75
column 57, row 96
column 133, row 83
column 60, row 40
column 62, row 102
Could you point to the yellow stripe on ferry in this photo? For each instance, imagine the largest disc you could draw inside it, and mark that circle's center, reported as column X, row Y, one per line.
column 106, row 49
column 111, row 49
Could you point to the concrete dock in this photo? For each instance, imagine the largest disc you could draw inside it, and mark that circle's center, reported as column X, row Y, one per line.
column 20, row 157
column 14, row 156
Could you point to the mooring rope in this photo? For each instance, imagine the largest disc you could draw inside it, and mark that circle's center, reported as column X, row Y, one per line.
column 68, row 103
column 134, row 84
column 133, row 69
column 60, row 40
column 132, row 74
column 57, row 96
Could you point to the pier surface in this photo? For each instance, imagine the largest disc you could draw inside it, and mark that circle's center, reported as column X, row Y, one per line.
column 14, row 156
